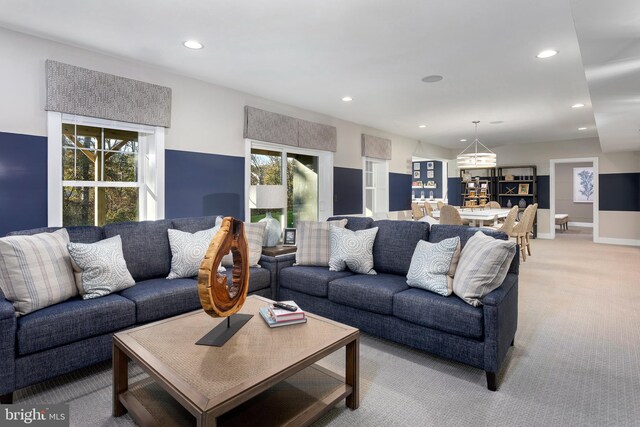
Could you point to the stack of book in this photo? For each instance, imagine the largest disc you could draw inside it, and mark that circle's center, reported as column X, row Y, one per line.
column 275, row 317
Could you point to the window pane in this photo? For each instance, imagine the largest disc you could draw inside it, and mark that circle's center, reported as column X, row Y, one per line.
column 121, row 204
column 120, row 166
column 370, row 200
column 258, row 214
column 83, row 169
column 266, row 167
column 78, row 206
column 302, row 188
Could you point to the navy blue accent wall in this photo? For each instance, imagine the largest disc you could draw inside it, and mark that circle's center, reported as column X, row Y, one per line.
column 544, row 192
column 437, row 178
column 620, row 192
column 198, row 184
column 347, row 191
column 399, row 192
column 23, row 182
column 453, row 188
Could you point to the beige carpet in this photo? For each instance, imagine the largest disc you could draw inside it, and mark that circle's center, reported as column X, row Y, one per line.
column 576, row 361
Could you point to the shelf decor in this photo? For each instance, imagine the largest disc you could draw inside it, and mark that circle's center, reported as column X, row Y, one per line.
column 476, row 155
column 523, row 189
column 517, row 185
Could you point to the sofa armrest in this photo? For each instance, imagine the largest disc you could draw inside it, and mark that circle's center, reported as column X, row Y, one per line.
column 270, row 263
column 8, row 324
column 496, row 296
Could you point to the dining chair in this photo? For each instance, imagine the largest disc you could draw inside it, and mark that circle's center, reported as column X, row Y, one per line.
column 440, row 204
column 509, row 222
column 529, row 233
column 428, row 209
column 416, row 211
column 450, row 216
column 520, row 229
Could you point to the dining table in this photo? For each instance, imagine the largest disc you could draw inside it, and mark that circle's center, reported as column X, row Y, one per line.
column 478, row 216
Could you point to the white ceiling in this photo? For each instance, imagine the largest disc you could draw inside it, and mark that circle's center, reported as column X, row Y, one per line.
column 312, row 53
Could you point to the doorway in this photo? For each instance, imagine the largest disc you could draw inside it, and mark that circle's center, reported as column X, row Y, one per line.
column 574, row 198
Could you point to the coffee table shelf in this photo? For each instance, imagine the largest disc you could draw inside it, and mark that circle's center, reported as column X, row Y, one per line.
column 262, row 376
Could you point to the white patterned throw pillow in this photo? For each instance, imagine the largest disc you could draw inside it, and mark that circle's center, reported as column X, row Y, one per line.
column 188, row 250
column 484, row 263
column 433, row 266
column 352, row 249
column 35, row 271
column 313, row 242
column 255, row 234
column 103, row 267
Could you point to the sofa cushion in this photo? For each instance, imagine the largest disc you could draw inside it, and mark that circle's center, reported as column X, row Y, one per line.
column 73, row 320
column 354, row 223
column 78, row 234
column 191, row 225
column 145, row 246
column 433, row 266
column 367, row 292
column 395, row 243
column 101, row 267
column 161, row 298
column 440, row 232
column 188, row 250
column 259, row 278
column 313, row 242
column 35, row 271
column 309, row 280
column 447, row 314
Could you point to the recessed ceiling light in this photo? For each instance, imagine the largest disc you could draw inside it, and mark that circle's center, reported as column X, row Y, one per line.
column 193, row 44
column 496, row 122
column 347, row 99
column 582, row 128
column 422, row 126
column 547, row 54
column 577, row 106
column 463, row 140
column 432, row 78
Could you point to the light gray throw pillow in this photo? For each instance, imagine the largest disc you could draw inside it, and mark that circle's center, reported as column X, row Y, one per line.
column 352, row 249
column 103, row 267
column 483, row 265
column 255, row 233
column 188, row 250
column 433, row 266
column 313, row 242
column 35, row 271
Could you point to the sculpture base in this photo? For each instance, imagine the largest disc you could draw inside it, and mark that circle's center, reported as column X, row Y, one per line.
column 219, row 335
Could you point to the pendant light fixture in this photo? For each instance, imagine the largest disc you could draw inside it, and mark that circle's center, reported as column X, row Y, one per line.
column 476, row 155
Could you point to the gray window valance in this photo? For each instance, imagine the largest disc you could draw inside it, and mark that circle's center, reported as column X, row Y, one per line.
column 376, row 147
column 280, row 129
column 90, row 93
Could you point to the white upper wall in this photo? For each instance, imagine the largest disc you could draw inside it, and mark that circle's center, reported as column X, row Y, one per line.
column 205, row 118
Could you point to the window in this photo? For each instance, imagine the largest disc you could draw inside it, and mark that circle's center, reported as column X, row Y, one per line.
column 290, row 183
column 103, row 171
column 376, row 186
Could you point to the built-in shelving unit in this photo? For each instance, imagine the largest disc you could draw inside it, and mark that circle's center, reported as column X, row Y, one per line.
column 516, row 183
column 477, row 186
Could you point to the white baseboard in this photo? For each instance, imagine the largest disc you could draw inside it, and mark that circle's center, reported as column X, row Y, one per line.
column 614, row 241
column 581, row 224
column 544, row 236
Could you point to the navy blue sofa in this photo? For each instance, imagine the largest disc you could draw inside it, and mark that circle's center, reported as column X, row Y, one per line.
column 77, row 333
column 383, row 304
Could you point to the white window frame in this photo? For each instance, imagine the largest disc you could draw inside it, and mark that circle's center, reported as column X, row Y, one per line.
column 149, row 153
column 376, row 188
column 325, row 178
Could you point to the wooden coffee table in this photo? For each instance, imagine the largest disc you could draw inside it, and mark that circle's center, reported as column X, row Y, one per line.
column 261, row 376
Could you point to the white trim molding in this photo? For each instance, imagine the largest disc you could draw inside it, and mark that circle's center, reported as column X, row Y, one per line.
column 614, row 241
column 581, row 224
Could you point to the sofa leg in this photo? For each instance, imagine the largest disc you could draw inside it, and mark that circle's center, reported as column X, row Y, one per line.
column 491, row 381
column 513, row 342
column 6, row 399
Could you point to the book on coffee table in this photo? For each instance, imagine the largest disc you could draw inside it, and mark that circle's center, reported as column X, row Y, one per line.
column 282, row 315
column 271, row 321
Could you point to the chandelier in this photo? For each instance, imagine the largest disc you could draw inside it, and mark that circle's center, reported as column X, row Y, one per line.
column 476, row 155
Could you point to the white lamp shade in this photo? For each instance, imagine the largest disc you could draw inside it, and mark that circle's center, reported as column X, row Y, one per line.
column 267, row 197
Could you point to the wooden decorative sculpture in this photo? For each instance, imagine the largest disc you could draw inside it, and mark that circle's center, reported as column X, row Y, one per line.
column 218, row 297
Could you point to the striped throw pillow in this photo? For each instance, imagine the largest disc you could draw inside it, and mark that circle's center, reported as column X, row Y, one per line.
column 36, row 271
column 313, row 242
column 483, row 265
column 255, row 234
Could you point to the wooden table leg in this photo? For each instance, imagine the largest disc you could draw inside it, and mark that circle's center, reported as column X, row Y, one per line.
column 353, row 373
column 120, row 379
